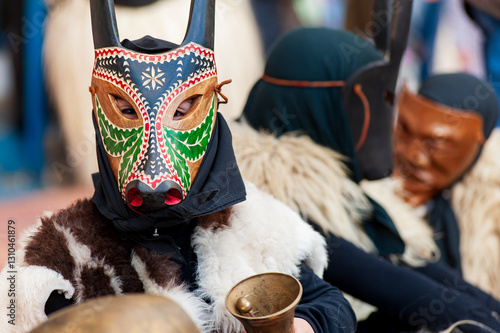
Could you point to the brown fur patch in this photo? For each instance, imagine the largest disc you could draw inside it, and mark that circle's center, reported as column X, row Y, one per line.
column 216, row 221
column 159, row 266
column 47, row 247
column 94, row 283
column 93, row 230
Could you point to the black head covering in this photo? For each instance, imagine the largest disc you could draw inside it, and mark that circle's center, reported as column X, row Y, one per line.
column 318, row 54
column 466, row 93
column 310, row 54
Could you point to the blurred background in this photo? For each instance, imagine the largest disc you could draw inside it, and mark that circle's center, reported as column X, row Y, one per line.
column 47, row 151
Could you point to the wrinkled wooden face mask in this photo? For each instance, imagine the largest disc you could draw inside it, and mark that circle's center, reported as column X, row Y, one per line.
column 155, row 112
column 434, row 145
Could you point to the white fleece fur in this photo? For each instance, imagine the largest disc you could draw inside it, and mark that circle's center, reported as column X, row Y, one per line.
column 33, row 286
column 69, row 55
column 289, row 167
column 265, row 236
column 476, row 203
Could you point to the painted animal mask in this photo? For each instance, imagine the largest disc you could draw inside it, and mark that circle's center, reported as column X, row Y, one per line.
column 155, row 110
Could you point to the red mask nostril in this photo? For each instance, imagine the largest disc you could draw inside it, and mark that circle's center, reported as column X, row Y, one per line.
column 173, row 197
column 134, row 197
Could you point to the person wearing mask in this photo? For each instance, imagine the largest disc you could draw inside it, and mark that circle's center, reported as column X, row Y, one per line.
column 445, row 166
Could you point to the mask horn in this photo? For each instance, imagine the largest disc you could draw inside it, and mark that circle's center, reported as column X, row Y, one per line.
column 201, row 24
column 381, row 18
column 400, row 27
column 104, row 27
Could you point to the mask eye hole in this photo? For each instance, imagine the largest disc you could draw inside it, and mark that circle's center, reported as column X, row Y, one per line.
column 402, row 129
column 126, row 108
column 389, row 97
column 185, row 107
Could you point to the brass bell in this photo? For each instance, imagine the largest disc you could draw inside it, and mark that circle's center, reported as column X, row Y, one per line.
column 265, row 303
column 129, row 313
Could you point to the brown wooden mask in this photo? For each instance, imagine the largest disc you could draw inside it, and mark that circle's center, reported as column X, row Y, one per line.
column 434, row 145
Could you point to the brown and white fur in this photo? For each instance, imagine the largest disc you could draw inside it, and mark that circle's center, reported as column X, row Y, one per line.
column 76, row 252
column 69, row 54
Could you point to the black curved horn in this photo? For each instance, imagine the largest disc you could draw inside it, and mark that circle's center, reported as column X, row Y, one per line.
column 104, row 28
column 201, row 24
column 381, row 18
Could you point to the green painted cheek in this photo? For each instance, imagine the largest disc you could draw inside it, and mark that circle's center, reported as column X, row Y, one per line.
column 189, row 145
column 120, row 142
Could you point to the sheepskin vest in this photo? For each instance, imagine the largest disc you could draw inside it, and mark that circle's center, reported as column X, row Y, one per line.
column 76, row 252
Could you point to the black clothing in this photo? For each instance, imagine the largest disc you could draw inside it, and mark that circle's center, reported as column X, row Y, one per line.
column 447, row 235
column 432, row 297
column 56, row 301
column 320, row 302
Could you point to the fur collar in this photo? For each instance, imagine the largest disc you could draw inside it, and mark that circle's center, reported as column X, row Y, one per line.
column 288, row 168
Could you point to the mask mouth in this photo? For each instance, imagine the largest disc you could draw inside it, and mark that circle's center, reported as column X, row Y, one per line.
column 142, row 198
